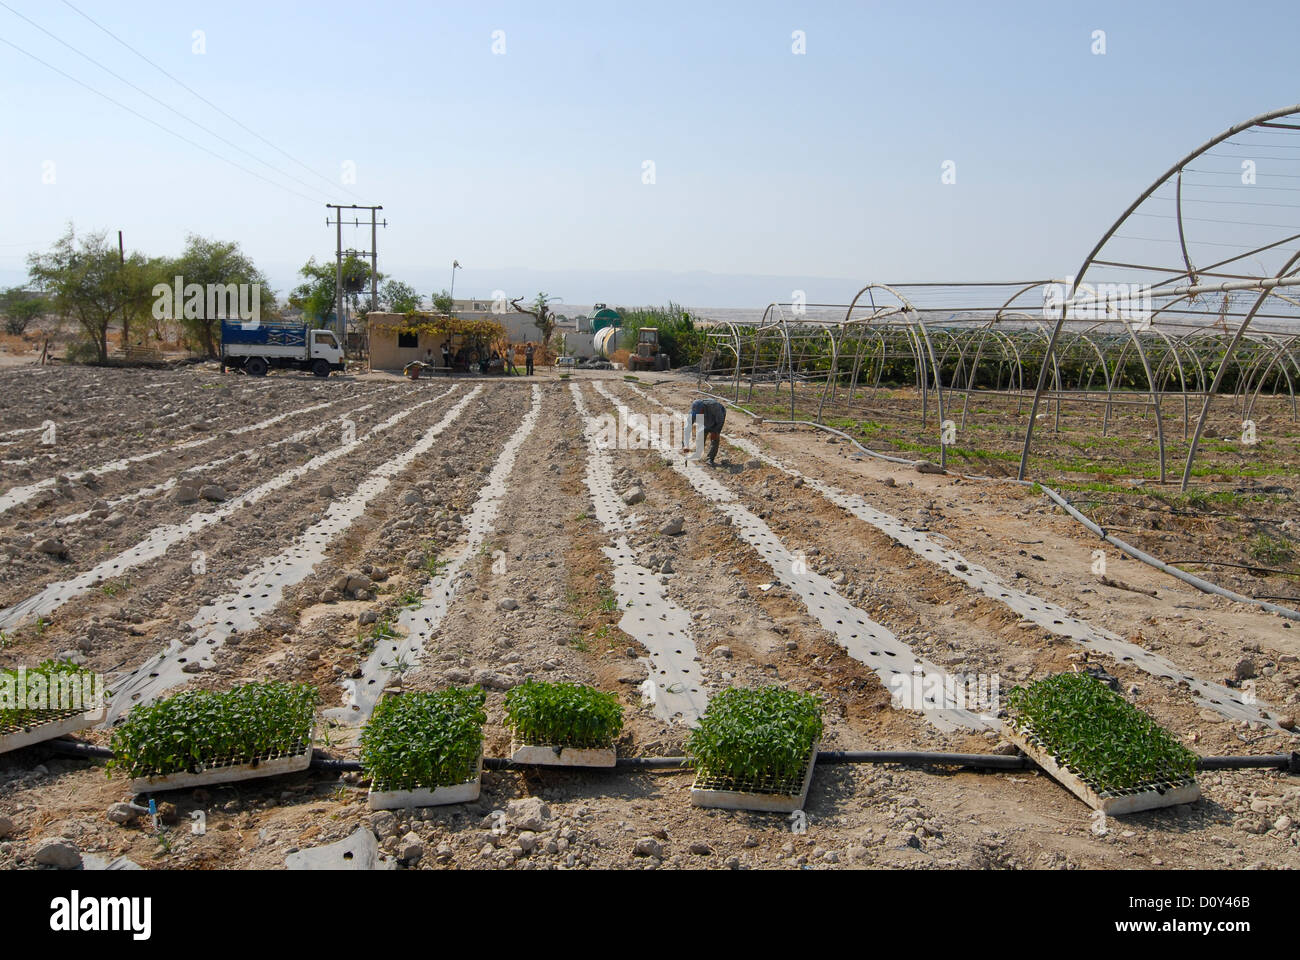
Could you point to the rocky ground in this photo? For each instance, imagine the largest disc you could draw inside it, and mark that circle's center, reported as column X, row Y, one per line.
column 141, row 453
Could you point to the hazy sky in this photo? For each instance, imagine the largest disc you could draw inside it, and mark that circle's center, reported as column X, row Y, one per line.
column 771, row 168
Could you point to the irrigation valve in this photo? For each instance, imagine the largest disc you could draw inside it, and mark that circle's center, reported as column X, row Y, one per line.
column 948, row 433
column 1249, row 435
column 1099, row 562
column 48, row 433
column 349, row 432
column 153, row 813
column 799, row 822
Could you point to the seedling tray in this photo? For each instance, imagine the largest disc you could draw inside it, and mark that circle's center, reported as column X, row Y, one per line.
column 1143, row 796
column 765, row 796
column 426, row 797
column 228, row 772
column 547, row 755
column 58, row 723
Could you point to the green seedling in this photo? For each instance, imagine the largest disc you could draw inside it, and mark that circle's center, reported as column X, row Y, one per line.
column 424, row 740
column 58, row 675
column 759, row 734
column 200, row 727
column 608, row 600
column 1273, row 551
column 1097, row 734
column 563, row 714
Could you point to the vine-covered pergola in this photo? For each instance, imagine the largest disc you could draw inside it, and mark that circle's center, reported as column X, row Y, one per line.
column 441, row 325
column 1187, row 298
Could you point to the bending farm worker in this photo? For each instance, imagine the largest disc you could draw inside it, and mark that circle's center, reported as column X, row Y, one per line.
column 711, row 415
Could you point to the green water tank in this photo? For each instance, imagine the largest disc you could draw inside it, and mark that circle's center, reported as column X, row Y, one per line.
column 605, row 317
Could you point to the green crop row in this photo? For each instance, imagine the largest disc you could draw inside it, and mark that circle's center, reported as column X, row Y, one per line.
column 424, row 740
column 750, row 734
column 563, row 714
column 197, row 728
column 1098, row 734
column 52, row 675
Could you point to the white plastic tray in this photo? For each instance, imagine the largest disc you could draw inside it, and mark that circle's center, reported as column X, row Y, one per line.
column 437, row 797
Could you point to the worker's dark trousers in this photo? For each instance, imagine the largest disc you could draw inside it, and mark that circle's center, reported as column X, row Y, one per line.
column 713, row 446
column 529, row 364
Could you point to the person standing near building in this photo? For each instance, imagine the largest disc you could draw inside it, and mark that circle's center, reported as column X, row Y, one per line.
column 528, row 358
column 446, row 356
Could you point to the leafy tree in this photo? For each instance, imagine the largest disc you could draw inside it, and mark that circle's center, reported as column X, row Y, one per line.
column 205, row 261
column 20, row 307
column 86, row 280
column 443, row 303
column 399, row 297
column 315, row 296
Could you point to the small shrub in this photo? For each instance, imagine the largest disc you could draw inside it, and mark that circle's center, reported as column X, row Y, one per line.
column 424, row 740
column 197, row 728
column 563, row 714
column 764, row 734
column 81, row 351
column 1097, row 734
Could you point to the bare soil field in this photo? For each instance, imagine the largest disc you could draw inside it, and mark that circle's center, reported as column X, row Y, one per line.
column 1235, row 525
column 132, row 540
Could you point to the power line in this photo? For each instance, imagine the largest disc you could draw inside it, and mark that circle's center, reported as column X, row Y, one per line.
column 137, row 113
column 161, row 103
column 193, row 92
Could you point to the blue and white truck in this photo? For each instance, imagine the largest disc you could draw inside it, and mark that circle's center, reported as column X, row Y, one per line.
column 257, row 347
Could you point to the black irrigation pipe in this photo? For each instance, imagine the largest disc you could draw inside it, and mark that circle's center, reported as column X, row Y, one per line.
column 1205, row 586
column 1289, row 762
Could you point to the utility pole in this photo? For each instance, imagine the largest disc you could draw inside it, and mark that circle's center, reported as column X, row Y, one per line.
column 121, row 259
column 338, row 269
column 374, row 260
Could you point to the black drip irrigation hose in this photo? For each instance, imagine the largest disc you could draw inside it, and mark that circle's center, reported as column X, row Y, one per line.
column 1290, row 762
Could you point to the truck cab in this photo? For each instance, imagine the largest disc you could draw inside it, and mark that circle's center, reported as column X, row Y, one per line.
column 325, row 346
